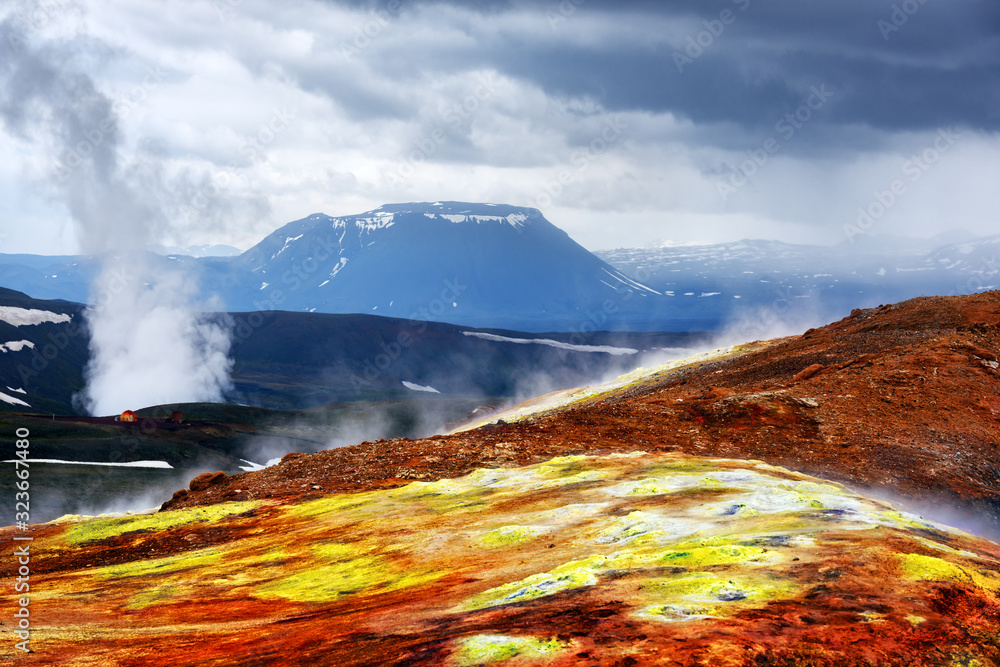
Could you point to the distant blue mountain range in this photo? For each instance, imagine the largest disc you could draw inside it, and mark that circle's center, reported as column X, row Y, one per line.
column 482, row 264
column 491, row 265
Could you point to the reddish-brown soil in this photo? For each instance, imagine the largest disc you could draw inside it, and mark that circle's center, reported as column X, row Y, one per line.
column 902, row 399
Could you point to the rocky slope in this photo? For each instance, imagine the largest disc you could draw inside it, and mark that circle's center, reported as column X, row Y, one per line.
column 901, row 399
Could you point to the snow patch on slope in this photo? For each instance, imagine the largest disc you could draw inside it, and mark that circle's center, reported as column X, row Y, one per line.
column 625, row 280
column 288, row 242
column 607, row 349
column 251, row 466
column 20, row 317
column 16, row 345
column 515, row 220
column 379, row 220
column 124, row 464
column 338, row 268
column 416, row 387
column 12, row 401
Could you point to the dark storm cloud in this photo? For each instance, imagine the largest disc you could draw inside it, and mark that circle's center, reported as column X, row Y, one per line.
column 894, row 65
column 497, row 100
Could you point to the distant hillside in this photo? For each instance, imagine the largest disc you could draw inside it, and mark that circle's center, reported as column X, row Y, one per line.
column 300, row 360
column 812, row 283
column 43, row 350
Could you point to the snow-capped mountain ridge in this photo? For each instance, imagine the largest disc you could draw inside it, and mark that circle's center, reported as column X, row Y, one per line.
column 486, row 264
column 355, row 232
column 979, row 257
column 461, row 212
column 771, row 275
column 455, row 212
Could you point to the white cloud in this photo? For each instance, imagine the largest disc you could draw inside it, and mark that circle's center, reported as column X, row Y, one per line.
column 412, row 98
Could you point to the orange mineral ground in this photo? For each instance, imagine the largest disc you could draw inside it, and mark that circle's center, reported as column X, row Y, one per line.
column 681, row 515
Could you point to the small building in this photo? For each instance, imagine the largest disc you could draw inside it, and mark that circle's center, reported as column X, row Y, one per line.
column 127, row 416
column 177, row 416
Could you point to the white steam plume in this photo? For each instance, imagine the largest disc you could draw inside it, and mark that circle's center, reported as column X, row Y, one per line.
column 149, row 346
column 150, row 343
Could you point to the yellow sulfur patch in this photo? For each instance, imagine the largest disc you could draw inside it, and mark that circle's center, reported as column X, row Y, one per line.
column 491, row 649
column 929, row 568
column 571, row 575
column 967, row 659
column 334, row 504
column 160, row 566
column 693, row 557
column 508, row 536
column 153, row 596
column 337, row 570
column 99, row 529
column 703, row 595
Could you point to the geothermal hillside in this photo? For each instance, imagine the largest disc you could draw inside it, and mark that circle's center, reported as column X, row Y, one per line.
column 723, row 510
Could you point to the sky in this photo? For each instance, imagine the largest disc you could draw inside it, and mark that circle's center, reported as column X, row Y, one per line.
column 627, row 123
